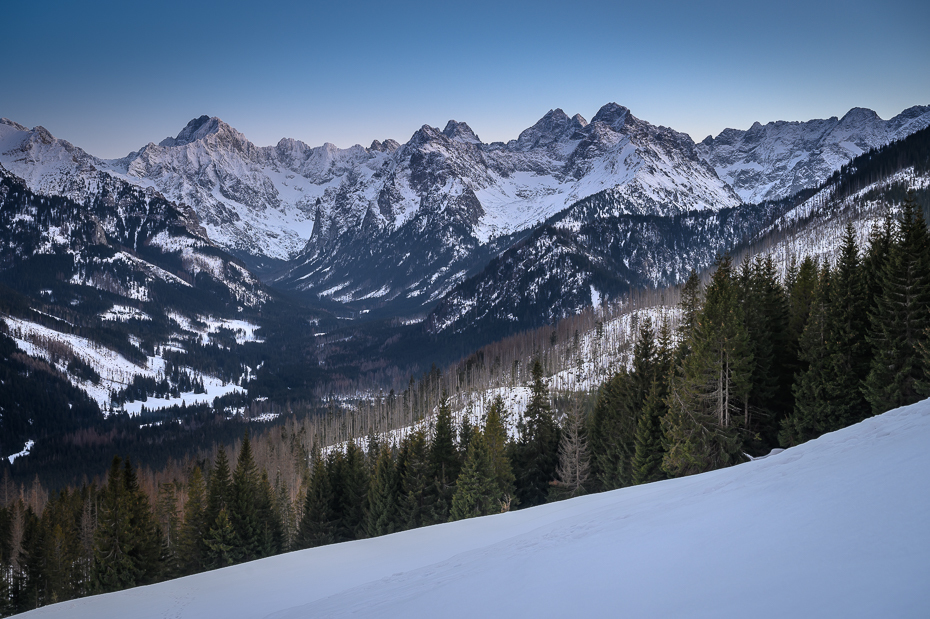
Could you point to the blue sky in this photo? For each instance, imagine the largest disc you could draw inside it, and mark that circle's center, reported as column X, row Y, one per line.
column 113, row 76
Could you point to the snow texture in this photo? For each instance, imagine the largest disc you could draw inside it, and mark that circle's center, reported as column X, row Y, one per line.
column 836, row 527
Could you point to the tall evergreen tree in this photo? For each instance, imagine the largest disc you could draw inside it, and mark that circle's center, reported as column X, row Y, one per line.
column 383, row 496
column 537, row 452
column 495, row 435
column 126, row 548
column 846, row 342
column 617, row 410
column 193, row 529
column 416, row 480
column 765, row 314
column 243, row 511
column 901, row 316
column 269, row 518
column 800, row 296
column 221, row 542
column 690, row 305
column 316, row 523
column 650, row 440
column 476, row 489
column 444, row 465
column 351, row 487
column 218, row 489
column 710, row 384
column 810, row 394
column 146, row 536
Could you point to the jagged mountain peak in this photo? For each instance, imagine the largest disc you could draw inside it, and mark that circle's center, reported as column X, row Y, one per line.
column 612, row 115
column 460, row 131
column 552, row 127
column 200, row 128
column 579, row 120
column 860, row 114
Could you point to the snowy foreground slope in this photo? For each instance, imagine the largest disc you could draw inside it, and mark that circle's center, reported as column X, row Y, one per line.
column 839, row 527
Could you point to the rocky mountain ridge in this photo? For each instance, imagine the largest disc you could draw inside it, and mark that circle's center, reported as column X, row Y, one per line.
column 778, row 159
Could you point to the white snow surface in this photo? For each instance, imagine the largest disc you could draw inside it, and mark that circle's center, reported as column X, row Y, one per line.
column 25, row 452
column 834, row 528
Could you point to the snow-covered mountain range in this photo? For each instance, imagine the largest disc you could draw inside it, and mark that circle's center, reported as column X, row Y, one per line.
column 400, row 226
column 776, row 160
column 270, row 200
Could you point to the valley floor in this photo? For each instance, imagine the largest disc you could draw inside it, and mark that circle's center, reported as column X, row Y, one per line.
column 837, row 527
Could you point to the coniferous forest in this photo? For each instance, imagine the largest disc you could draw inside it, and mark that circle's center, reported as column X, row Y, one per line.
column 758, row 360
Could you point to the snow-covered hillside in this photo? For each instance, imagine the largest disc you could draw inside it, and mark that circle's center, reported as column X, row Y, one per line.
column 834, row 528
column 114, row 370
column 776, row 160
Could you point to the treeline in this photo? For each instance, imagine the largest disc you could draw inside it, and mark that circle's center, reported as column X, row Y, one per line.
column 762, row 362
column 130, row 531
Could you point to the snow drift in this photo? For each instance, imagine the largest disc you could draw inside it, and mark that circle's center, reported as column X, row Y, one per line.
column 838, row 527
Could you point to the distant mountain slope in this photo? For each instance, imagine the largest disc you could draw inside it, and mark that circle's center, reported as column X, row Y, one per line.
column 94, row 295
column 776, row 160
column 586, row 253
column 123, row 239
column 833, row 528
column 445, row 197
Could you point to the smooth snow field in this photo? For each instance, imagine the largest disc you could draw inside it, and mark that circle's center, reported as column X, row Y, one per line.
column 838, row 527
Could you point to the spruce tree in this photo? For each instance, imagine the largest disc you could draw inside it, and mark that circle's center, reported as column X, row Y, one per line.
column 606, row 436
column 765, row 314
column 218, row 489
column 800, row 295
column 383, row 495
column 444, row 466
column 710, row 385
column 690, row 305
column 316, row 523
column 476, row 489
column 415, row 481
column 126, row 548
column 847, row 345
column 495, row 435
column 192, row 530
column 901, row 316
column 650, row 440
column 537, row 452
column 221, row 542
column 243, row 511
column 810, row 389
column 617, row 411
column 272, row 530
column 352, row 494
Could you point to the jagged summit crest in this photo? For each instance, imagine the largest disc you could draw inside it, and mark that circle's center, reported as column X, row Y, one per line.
column 611, row 114
column 10, row 123
column 460, row 131
column 196, row 129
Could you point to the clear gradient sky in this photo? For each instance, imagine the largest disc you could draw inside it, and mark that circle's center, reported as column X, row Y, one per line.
column 113, row 76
